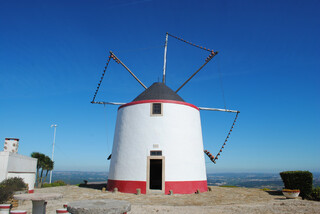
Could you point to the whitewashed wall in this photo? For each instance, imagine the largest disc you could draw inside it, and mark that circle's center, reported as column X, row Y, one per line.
column 28, row 178
column 16, row 165
column 4, row 157
column 177, row 132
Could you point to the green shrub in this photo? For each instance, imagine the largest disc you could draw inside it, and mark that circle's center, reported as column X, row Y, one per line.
column 301, row 180
column 55, row 184
column 60, row 183
column 315, row 195
column 46, row 185
column 15, row 184
column 9, row 186
column 5, row 194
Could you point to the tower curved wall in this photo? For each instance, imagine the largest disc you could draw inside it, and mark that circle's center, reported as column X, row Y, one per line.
column 176, row 133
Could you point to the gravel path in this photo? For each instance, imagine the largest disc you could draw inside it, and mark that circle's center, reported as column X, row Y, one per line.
column 220, row 200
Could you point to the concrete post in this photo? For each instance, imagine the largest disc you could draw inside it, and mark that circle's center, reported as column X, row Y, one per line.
column 138, row 191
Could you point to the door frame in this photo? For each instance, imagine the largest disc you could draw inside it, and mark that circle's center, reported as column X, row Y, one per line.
column 148, row 174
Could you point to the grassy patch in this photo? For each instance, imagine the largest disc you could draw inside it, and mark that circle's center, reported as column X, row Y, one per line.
column 231, row 186
column 265, row 189
column 55, row 184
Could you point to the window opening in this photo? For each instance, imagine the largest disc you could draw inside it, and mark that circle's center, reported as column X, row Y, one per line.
column 156, row 108
column 155, row 153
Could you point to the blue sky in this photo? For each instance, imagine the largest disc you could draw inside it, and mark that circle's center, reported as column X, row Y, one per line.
column 52, row 54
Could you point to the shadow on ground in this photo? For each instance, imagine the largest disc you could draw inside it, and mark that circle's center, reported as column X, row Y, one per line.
column 93, row 185
column 274, row 192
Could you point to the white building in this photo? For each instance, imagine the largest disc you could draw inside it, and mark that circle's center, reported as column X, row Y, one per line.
column 158, row 145
column 16, row 165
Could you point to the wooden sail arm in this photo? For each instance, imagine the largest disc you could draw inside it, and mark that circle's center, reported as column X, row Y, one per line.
column 108, row 103
column 119, row 61
column 218, row 109
column 212, row 54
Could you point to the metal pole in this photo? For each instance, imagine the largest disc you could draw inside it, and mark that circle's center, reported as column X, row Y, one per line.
column 165, row 59
column 128, row 69
column 54, row 139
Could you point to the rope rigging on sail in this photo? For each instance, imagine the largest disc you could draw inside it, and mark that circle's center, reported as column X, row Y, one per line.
column 212, row 54
column 214, row 158
column 117, row 60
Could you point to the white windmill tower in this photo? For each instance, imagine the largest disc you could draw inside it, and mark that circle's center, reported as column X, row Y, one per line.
column 158, row 143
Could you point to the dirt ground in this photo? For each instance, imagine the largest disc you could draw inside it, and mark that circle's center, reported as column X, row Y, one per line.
column 219, row 200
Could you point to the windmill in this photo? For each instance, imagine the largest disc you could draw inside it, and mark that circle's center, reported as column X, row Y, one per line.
column 158, row 144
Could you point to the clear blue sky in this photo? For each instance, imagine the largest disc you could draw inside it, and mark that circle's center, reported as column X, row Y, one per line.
column 52, row 54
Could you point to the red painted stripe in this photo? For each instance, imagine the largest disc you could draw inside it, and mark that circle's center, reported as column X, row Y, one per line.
column 62, row 211
column 178, row 187
column 185, row 187
column 31, row 191
column 12, row 139
column 159, row 101
column 4, row 207
column 18, row 212
column 21, row 172
column 127, row 186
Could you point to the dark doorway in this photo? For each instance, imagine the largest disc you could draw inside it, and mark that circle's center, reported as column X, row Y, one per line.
column 155, row 174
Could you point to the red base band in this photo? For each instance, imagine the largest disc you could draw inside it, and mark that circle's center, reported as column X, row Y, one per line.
column 127, row 186
column 186, row 187
column 31, row 191
column 178, row 187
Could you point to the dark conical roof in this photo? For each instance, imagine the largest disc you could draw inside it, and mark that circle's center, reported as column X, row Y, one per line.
column 158, row 91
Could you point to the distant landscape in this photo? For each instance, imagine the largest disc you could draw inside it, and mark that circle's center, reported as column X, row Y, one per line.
column 251, row 180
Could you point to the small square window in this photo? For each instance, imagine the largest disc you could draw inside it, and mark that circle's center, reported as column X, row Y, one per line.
column 156, row 108
column 155, row 153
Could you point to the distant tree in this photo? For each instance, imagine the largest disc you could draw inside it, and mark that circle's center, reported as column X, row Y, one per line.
column 40, row 163
column 48, row 166
column 44, row 164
